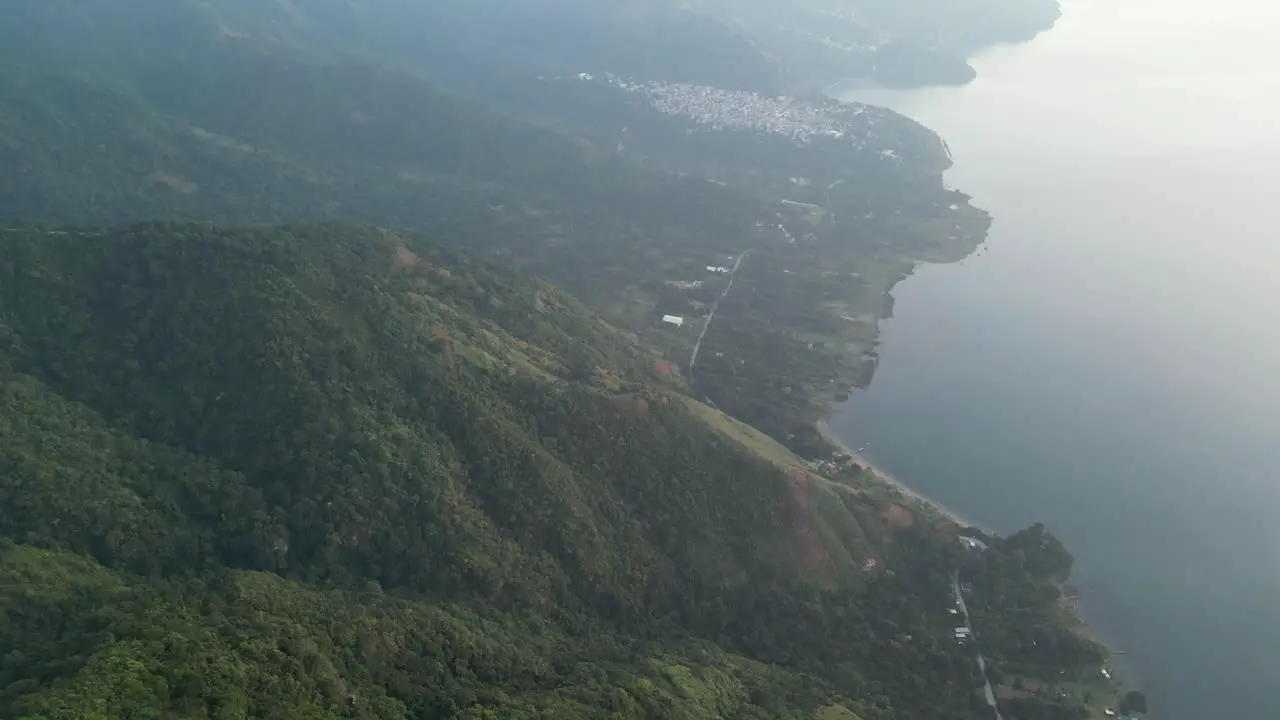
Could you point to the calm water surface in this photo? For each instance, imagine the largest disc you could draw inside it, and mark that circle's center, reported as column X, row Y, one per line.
column 1111, row 364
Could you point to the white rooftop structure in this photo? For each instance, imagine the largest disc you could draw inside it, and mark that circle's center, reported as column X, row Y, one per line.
column 800, row 120
column 673, row 320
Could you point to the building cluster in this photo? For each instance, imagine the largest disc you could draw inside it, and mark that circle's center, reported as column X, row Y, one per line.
column 838, row 462
column 721, row 109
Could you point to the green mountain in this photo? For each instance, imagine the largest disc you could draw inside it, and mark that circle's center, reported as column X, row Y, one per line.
column 261, row 458
column 277, row 462
column 307, row 357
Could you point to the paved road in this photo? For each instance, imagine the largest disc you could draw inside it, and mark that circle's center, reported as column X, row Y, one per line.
column 982, row 662
column 693, row 359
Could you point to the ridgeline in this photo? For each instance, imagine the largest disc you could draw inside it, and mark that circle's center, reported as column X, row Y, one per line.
column 263, row 457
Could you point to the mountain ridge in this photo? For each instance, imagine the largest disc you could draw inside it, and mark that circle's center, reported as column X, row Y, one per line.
column 259, row 463
column 455, row 463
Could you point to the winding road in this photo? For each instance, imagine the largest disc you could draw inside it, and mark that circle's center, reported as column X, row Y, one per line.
column 693, row 359
column 982, row 662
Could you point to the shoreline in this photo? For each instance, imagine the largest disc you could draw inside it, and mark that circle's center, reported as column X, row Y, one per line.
column 1126, row 673
column 1126, row 668
column 887, row 478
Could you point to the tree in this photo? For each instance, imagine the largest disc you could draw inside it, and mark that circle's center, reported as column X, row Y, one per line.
column 1134, row 701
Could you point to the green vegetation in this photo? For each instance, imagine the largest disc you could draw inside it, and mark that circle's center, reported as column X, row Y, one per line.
column 262, row 458
column 1042, row 665
column 1134, row 701
column 322, row 456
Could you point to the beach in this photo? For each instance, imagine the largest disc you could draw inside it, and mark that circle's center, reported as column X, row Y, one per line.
column 887, row 478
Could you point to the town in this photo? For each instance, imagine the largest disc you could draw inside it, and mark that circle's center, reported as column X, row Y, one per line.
column 721, row 109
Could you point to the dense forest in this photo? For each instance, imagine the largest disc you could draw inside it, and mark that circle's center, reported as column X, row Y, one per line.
column 326, row 470
column 262, row 457
column 329, row 422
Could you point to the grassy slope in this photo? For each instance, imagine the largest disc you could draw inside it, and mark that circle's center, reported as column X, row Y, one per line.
column 338, row 405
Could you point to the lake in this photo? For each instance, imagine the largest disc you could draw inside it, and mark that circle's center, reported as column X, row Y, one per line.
column 1110, row 363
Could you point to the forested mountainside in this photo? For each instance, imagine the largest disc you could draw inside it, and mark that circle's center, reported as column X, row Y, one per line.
column 612, row 192
column 261, row 457
column 330, row 471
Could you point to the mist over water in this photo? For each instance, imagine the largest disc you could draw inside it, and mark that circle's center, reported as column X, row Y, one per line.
column 1109, row 365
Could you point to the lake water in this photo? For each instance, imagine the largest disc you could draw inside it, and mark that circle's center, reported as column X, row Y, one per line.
column 1111, row 364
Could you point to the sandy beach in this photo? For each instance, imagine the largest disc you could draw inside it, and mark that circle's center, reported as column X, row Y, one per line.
column 825, row 430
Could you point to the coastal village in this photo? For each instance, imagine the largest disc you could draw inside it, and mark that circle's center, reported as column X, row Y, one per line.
column 802, row 121
column 721, row 109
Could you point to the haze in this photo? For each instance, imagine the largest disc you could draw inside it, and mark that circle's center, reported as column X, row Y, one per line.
column 474, row 358
column 1109, row 364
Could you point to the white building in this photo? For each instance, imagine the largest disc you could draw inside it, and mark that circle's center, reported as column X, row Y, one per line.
column 673, row 320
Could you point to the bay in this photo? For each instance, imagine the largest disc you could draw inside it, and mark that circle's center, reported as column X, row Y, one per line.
column 1109, row 363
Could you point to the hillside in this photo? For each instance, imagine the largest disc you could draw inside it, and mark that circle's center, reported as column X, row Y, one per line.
column 611, row 194
column 450, row 41
column 239, row 133
column 761, row 45
column 329, row 421
column 260, row 457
